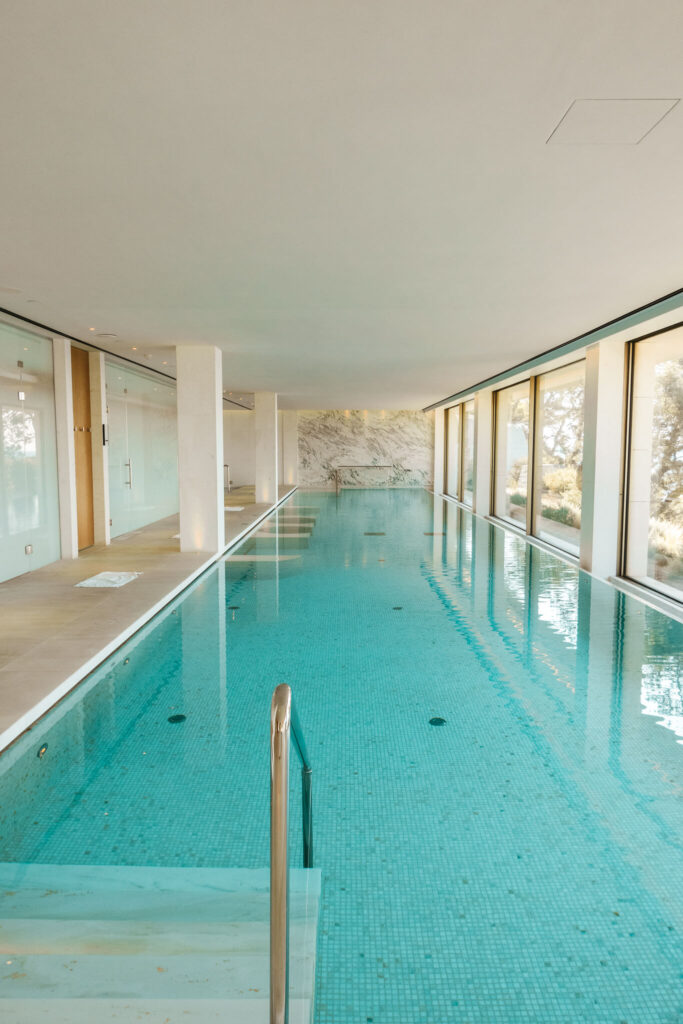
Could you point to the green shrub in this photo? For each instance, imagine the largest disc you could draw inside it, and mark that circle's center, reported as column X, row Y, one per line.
column 518, row 499
column 561, row 515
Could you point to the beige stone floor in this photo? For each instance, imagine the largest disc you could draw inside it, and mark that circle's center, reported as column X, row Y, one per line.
column 53, row 633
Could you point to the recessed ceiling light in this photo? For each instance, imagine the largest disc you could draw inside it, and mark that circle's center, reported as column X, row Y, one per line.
column 91, row 328
column 164, row 362
column 10, row 291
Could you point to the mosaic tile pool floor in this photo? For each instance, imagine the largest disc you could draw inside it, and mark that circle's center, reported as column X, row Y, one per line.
column 520, row 863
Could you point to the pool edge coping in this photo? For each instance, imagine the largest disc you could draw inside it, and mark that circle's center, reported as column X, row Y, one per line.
column 29, row 718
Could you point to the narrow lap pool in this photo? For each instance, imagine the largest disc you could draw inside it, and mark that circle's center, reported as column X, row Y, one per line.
column 521, row 862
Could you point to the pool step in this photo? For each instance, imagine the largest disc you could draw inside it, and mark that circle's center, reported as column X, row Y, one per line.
column 128, row 944
column 147, row 1011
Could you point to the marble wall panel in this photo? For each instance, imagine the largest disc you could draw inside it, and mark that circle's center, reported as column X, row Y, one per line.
column 336, row 437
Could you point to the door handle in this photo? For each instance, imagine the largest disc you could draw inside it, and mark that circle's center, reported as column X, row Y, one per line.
column 129, row 464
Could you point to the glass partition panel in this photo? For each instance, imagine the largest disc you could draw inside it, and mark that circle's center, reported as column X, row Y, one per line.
column 29, row 501
column 143, row 449
column 453, row 451
column 512, row 454
column 655, row 507
column 559, row 456
column 468, row 452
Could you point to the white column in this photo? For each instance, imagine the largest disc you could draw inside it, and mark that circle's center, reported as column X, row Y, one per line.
column 439, row 424
column 100, row 450
column 200, row 448
column 602, row 457
column 265, row 416
column 483, row 427
column 66, row 458
column 290, row 447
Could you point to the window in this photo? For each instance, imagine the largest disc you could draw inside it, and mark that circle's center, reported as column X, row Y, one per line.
column 460, row 452
column 559, row 456
column 654, row 552
column 468, row 453
column 512, row 454
column 453, row 451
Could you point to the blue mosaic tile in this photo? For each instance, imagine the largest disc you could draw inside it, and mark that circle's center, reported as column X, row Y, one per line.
column 521, row 863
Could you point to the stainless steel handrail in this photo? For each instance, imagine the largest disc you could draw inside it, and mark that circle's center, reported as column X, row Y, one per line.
column 283, row 722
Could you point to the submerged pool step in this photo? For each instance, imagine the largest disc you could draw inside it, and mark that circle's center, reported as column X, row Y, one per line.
column 88, row 937
column 158, row 976
column 119, row 943
column 150, row 1011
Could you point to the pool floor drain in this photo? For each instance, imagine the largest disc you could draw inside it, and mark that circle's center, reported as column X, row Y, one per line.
column 177, row 718
column 397, row 608
column 437, row 721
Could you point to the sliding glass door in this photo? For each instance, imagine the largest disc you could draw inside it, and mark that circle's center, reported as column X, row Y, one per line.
column 143, row 449
column 29, row 503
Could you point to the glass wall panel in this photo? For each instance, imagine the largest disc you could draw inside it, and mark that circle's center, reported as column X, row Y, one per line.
column 512, row 454
column 468, row 452
column 453, row 452
column 29, row 501
column 143, row 449
column 655, row 508
column 559, row 456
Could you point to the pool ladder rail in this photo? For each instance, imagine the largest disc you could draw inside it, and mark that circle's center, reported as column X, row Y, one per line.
column 284, row 722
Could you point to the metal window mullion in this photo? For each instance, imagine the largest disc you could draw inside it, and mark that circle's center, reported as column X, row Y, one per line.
column 531, row 456
column 627, row 426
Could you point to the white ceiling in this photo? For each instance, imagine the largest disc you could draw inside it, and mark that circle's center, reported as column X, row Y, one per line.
column 355, row 200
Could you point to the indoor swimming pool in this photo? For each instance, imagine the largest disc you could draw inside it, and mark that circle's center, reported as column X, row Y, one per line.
column 496, row 741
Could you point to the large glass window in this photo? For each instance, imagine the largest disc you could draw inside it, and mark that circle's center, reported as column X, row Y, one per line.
column 453, row 451
column 559, row 456
column 655, row 494
column 468, row 453
column 512, row 454
column 29, row 502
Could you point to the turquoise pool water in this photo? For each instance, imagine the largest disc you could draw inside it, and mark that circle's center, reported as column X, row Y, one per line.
column 520, row 863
